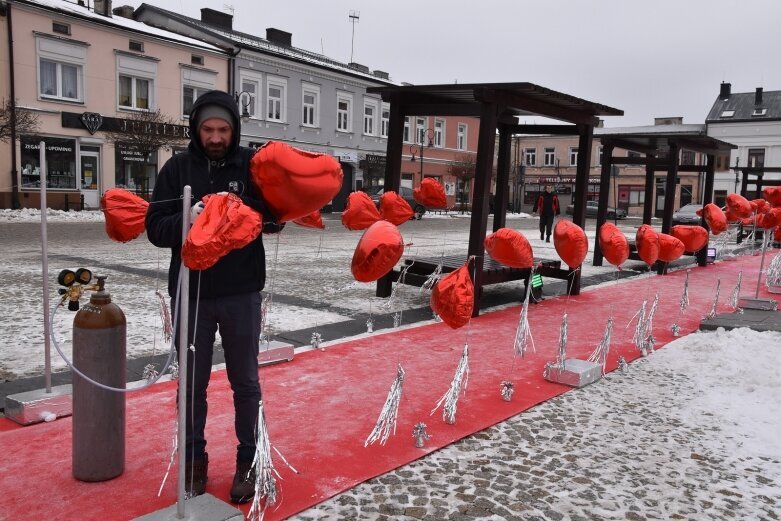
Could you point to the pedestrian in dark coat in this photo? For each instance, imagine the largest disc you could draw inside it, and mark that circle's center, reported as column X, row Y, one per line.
column 548, row 206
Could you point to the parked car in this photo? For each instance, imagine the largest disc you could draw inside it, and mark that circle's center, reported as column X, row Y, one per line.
column 687, row 214
column 593, row 206
column 405, row 193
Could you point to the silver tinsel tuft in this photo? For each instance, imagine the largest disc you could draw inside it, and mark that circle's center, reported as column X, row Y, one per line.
column 174, row 450
column 394, row 292
column 599, row 356
column 265, row 306
column 773, row 276
column 546, row 370
column 523, row 334
column 397, row 319
column 450, row 398
column 433, row 278
column 712, row 312
column 683, row 303
column 386, row 421
column 370, row 325
column 165, row 317
column 174, row 369
column 650, row 341
column 420, row 435
column 735, row 295
column 150, row 373
column 676, row 329
column 562, row 342
column 507, row 389
column 638, row 339
column 317, row 339
column 622, row 365
column 265, row 482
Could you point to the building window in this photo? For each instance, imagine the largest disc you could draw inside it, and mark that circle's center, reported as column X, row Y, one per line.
column 250, row 86
column 407, row 128
column 727, row 113
column 573, row 156
column 135, row 82
column 420, row 130
column 756, row 157
column 276, row 99
column 344, row 107
column 759, row 112
column 631, row 195
column 687, row 157
column 369, row 115
column 196, row 59
column 550, row 157
column 530, row 156
column 600, row 150
column 61, row 69
column 136, row 46
column 310, row 103
column 461, row 145
column 439, row 133
column 60, row 163
column 59, row 27
column 195, row 82
column 385, row 120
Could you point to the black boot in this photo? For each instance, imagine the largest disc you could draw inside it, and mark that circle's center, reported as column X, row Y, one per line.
column 196, row 475
column 243, row 489
column 547, row 239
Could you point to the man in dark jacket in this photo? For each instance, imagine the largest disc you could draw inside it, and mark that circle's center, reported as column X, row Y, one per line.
column 226, row 296
column 548, row 206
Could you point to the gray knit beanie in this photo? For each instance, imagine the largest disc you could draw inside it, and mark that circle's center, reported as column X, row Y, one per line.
column 213, row 111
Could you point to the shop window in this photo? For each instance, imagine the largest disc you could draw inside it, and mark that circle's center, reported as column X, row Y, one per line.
column 135, row 172
column 60, row 163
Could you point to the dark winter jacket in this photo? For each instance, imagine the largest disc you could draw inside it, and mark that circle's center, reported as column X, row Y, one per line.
column 240, row 271
column 547, row 204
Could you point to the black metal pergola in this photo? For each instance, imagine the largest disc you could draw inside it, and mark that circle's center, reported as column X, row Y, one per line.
column 755, row 176
column 497, row 105
column 661, row 146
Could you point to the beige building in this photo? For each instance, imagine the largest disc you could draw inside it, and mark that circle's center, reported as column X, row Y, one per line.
column 86, row 73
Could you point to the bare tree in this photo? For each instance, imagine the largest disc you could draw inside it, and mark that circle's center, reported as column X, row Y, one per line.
column 463, row 169
column 20, row 121
column 145, row 132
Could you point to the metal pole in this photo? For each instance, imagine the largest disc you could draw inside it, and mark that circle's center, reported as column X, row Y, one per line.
column 184, row 314
column 765, row 233
column 47, row 356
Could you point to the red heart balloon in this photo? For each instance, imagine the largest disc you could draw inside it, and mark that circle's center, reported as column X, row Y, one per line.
column 570, row 242
column 614, row 244
column 125, row 213
column 510, row 248
column 378, row 251
column 452, row 298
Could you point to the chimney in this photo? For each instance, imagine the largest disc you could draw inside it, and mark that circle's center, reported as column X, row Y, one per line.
column 359, row 67
column 382, row 74
column 279, row 37
column 217, row 18
column 758, row 96
column 677, row 120
column 125, row 11
column 725, row 90
column 103, row 7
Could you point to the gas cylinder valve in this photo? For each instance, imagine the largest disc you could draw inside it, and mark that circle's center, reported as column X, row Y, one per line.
column 76, row 283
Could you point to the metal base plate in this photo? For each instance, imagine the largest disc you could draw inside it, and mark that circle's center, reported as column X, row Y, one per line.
column 767, row 304
column 200, row 508
column 36, row 406
column 576, row 373
column 274, row 352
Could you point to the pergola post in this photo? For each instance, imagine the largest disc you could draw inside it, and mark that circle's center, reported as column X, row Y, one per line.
column 649, row 191
column 604, row 195
column 707, row 198
column 585, row 139
column 502, row 177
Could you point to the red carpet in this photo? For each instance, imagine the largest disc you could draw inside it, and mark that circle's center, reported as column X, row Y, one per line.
column 321, row 407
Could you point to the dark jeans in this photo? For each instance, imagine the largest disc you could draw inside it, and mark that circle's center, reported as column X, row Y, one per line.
column 237, row 318
column 546, row 225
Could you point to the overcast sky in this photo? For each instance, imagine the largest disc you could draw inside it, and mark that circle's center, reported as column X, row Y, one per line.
column 654, row 58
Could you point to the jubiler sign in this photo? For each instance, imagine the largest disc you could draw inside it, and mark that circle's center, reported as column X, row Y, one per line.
column 94, row 123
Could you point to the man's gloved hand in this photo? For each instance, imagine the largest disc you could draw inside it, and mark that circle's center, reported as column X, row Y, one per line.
column 195, row 211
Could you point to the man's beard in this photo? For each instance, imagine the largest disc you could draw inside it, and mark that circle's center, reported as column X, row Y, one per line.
column 215, row 151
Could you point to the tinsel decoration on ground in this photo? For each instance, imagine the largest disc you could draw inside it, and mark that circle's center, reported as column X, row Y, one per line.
column 174, row 450
column 386, row 421
column 165, row 317
column 420, row 435
column 174, row 369
column 712, row 313
column 650, row 341
column 507, row 389
column 638, row 339
column 265, row 306
column 433, row 278
column 599, row 356
column 622, row 365
column 773, row 277
column 523, row 334
column 317, row 339
column 370, row 325
column 150, row 373
column 265, row 482
column 397, row 319
column 450, row 398
column 562, row 342
column 735, row 295
column 683, row 303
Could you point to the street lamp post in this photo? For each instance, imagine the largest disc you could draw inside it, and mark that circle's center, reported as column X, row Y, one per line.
column 243, row 100
column 417, row 148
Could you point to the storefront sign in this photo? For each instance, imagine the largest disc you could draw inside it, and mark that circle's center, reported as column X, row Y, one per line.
column 93, row 122
column 562, row 179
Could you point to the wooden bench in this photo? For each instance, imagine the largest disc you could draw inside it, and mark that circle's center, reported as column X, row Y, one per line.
column 419, row 270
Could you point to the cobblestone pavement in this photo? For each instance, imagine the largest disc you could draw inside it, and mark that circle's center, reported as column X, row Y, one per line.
column 612, row 450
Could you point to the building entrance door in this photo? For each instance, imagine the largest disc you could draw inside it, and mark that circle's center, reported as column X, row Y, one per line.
column 90, row 177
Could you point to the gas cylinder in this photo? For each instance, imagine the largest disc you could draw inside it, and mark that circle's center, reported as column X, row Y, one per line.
column 99, row 351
